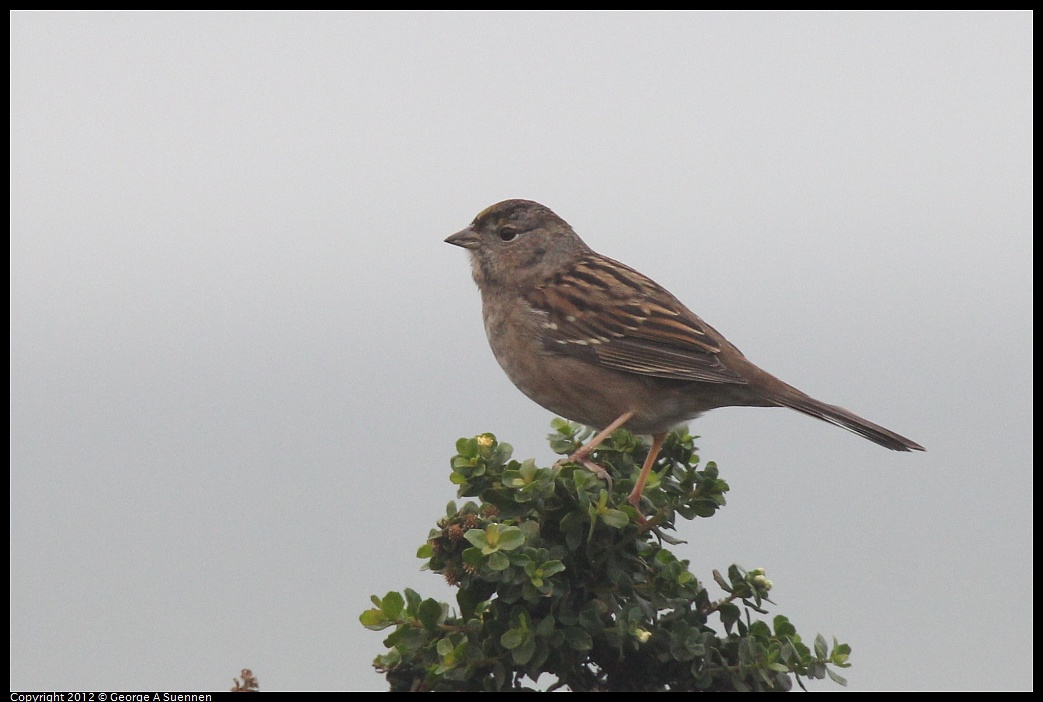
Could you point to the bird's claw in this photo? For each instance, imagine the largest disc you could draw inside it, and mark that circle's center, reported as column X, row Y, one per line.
column 581, row 458
column 598, row 471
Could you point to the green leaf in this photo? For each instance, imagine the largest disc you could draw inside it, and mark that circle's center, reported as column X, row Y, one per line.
column 729, row 615
column 577, row 639
column 821, row 650
column 615, row 518
column 783, row 626
column 374, row 619
column 838, row 679
column 759, row 628
column 527, row 470
column 546, row 626
column 552, row 568
column 513, row 638
column 472, row 557
column 413, row 601
column 477, row 537
column 467, row 601
column 840, row 653
column 392, row 605
column 511, row 538
column 430, row 614
column 704, row 508
column 724, row 584
column 444, row 647
column 523, row 654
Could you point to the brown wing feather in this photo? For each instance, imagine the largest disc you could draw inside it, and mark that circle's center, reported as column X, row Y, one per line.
column 610, row 314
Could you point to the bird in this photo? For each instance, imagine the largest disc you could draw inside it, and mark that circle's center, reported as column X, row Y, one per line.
column 601, row 344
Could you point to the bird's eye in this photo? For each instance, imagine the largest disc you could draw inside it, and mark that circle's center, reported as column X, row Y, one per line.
column 508, row 233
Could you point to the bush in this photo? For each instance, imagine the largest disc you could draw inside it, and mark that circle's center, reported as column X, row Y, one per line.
column 558, row 575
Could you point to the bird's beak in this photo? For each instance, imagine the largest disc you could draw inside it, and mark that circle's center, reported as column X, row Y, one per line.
column 466, row 238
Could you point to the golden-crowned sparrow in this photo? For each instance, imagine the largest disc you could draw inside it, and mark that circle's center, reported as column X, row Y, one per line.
column 596, row 342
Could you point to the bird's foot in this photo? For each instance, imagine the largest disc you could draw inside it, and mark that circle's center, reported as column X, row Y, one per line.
column 580, row 457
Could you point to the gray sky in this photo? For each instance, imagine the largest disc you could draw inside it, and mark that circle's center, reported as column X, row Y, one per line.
column 241, row 353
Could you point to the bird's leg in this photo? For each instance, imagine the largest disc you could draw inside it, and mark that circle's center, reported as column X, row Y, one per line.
column 580, row 455
column 653, row 453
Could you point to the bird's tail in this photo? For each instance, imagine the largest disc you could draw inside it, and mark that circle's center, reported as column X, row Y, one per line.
column 843, row 418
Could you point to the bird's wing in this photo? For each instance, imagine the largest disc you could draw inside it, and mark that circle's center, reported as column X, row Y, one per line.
column 607, row 313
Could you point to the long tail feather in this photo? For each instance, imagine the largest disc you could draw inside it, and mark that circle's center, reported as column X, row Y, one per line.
column 848, row 420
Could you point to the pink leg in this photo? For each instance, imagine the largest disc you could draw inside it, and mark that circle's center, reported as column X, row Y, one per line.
column 653, row 453
column 580, row 455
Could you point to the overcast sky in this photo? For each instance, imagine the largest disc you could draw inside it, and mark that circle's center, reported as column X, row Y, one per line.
column 241, row 353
